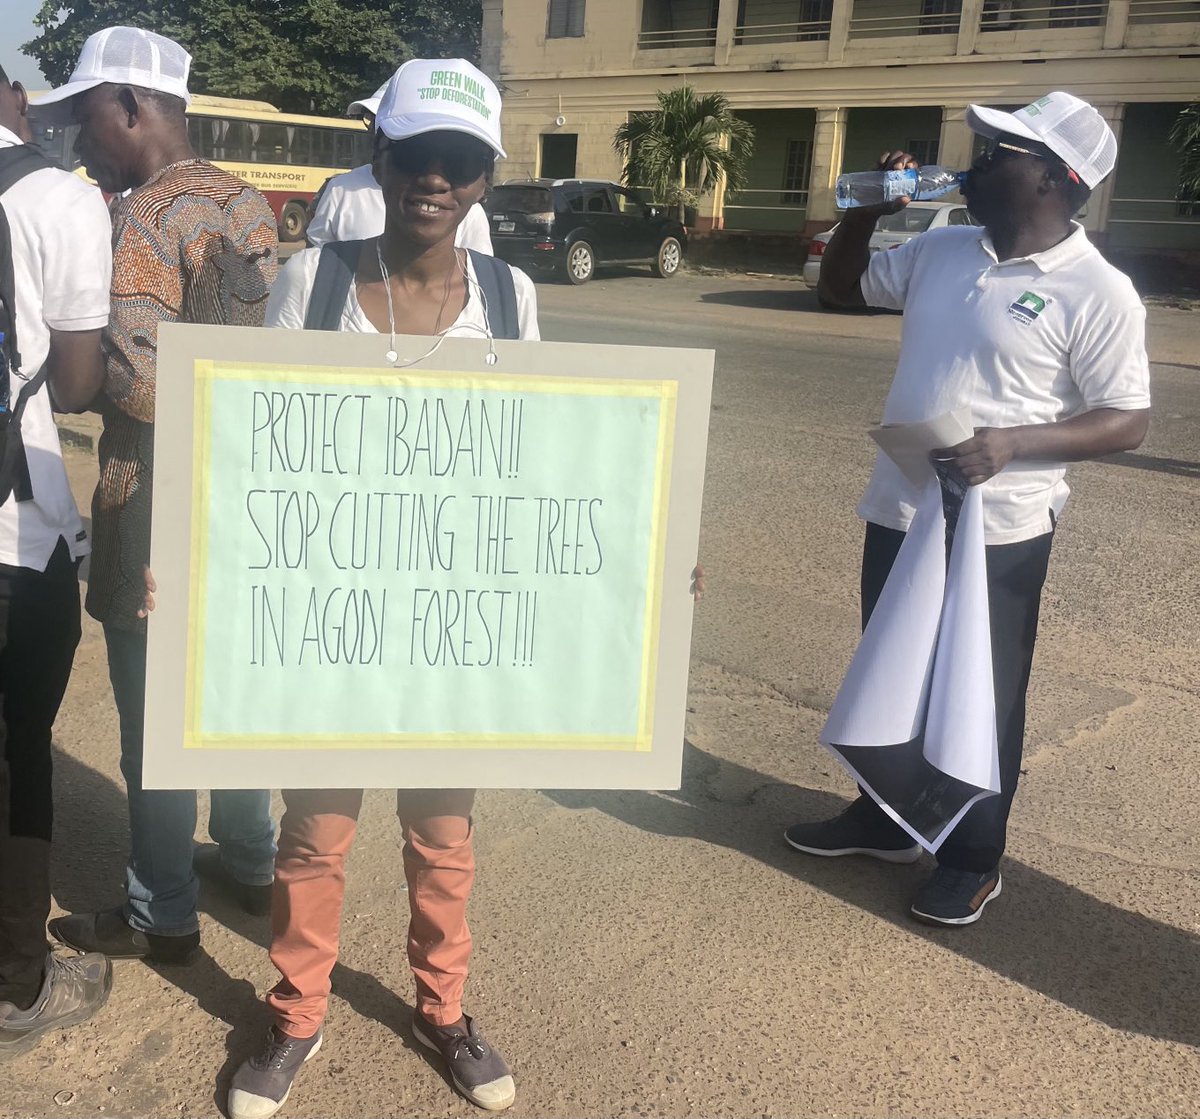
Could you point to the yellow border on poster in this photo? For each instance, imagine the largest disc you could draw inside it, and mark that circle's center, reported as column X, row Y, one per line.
column 207, row 372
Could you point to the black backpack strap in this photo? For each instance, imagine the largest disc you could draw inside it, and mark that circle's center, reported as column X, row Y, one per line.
column 331, row 285
column 15, row 164
column 14, row 466
column 499, row 293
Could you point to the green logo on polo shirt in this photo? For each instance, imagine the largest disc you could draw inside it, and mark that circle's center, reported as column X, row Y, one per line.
column 1026, row 309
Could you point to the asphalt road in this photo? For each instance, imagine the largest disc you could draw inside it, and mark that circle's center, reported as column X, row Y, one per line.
column 665, row 954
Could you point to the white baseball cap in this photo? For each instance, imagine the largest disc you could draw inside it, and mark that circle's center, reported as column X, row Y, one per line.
column 368, row 104
column 1069, row 127
column 441, row 95
column 123, row 56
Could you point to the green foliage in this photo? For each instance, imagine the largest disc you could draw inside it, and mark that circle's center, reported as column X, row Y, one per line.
column 682, row 149
column 301, row 55
column 1185, row 136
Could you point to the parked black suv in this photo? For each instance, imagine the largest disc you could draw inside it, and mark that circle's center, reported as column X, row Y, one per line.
column 577, row 225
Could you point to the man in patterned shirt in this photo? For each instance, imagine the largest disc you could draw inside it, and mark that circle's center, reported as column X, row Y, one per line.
column 191, row 243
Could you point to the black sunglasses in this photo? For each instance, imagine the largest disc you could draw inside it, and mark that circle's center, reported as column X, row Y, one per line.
column 461, row 159
column 1005, row 149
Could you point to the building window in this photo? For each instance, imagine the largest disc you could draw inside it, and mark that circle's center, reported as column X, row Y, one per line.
column 925, row 152
column 940, row 17
column 558, row 155
column 1076, row 13
column 566, row 19
column 796, row 167
column 815, row 16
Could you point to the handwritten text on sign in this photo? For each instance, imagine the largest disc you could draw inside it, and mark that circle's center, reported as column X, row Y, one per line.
column 393, row 559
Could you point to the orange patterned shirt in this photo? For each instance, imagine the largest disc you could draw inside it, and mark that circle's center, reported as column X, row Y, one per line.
column 193, row 244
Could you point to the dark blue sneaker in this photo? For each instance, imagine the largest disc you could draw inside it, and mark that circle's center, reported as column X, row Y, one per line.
column 264, row 1082
column 955, row 897
column 862, row 829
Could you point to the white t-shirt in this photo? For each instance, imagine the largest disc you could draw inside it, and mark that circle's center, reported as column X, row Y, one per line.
column 62, row 268
column 289, row 301
column 1026, row 341
column 351, row 209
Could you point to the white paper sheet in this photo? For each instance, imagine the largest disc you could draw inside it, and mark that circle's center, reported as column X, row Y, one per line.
column 923, row 670
column 908, row 445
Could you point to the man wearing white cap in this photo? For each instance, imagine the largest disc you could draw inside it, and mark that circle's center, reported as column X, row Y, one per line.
column 1024, row 323
column 191, row 243
column 55, row 254
column 350, row 206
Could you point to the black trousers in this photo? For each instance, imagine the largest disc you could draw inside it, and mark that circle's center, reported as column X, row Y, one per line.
column 39, row 632
column 1015, row 576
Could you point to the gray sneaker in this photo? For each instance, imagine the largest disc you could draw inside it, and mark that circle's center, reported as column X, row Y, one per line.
column 74, row 988
column 478, row 1071
column 262, row 1085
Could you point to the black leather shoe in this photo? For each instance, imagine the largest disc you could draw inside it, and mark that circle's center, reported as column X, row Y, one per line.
column 207, row 862
column 110, row 934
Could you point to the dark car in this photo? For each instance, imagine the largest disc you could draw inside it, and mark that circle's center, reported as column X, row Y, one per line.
column 575, row 226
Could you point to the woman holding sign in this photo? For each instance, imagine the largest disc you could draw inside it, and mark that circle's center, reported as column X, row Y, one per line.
column 438, row 135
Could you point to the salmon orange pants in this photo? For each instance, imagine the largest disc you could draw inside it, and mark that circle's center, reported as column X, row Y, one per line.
column 316, row 834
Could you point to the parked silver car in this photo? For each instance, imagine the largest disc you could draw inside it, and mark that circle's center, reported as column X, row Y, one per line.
column 892, row 230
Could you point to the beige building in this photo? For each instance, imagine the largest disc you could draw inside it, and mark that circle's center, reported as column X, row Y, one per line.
column 829, row 84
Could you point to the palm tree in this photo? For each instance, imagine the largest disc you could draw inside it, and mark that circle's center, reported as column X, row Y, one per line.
column 1185, row 136
column 684, row 147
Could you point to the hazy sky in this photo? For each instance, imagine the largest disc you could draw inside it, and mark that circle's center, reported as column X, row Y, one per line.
column 16, row 27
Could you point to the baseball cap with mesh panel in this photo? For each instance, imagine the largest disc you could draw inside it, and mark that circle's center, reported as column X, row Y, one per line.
column 121, row 56
column 368, row 104
column 1069, row 127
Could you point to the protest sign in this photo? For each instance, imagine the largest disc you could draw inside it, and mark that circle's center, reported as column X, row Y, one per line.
column 455, row 574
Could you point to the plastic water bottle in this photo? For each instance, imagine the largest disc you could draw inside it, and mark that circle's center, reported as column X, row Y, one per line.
column 873, row 188
column 4, row 389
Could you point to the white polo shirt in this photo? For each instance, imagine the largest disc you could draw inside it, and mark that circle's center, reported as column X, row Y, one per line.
column 351, row 209
column 62, row 267
column 288, row 302
column 1026, row 341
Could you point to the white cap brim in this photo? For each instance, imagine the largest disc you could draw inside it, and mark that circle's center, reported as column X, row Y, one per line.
column 54, row 106
column 366, row 105
column 404, row 128
column 991, row 122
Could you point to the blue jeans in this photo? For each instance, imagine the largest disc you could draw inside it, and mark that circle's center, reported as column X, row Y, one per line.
column 160, row 884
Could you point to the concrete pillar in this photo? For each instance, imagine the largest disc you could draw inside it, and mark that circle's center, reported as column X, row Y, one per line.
column 1095, row 221
column 726, row 30
column 1115, row 24
column 955, row 140
column 968, row 26
column 829, row 145
column 491, row 38
column 839, row 28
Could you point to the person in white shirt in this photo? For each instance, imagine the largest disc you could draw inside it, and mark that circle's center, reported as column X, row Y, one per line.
column 434, row 159
column 350, row 206
column 61, row 256
column 1024, row 323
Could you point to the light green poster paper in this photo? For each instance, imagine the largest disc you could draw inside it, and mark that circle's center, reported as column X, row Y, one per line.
column 469, row 571
column 392, row 559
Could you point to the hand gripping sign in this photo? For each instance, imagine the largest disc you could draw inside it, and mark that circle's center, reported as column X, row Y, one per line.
column 451, row 575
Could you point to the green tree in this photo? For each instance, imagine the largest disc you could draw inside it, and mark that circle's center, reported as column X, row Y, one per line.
column 1185, row 136
column 301, row 55
column 682, row 149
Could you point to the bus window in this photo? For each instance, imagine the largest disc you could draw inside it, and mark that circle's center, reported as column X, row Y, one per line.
column 362, row 147
column 270, row 143
column 321, row 154
column 345, row 150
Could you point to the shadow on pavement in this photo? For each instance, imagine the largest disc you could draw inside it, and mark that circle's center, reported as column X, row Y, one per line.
column 795, row 297
column 1153, row 463
column 1119, row 967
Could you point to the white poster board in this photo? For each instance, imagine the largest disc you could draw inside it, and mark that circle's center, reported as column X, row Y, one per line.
column 458, row 574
